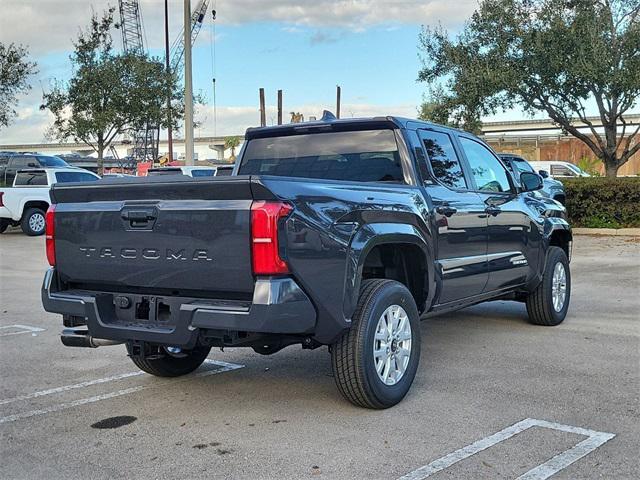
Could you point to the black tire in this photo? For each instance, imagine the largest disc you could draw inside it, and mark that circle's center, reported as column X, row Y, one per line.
column 27, row 224
column 352, row 356
column 4, row 224
column 540, row 302
column 171, row 366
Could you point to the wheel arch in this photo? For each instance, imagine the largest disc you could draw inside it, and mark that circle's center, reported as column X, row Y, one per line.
column 393, row 251
column 41, row 204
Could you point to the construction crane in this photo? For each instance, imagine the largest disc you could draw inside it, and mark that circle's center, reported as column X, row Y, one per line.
column 177, row 47
column 145, row 139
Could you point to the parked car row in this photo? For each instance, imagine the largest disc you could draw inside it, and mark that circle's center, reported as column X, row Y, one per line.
column 26, row 178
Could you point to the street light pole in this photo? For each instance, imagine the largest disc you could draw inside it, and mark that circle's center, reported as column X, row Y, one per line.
column 168, row 73
column 188, row 87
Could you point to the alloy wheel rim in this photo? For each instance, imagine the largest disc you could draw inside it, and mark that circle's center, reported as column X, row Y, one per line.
column 392, row 345
column 36, row 222
column 559, row 287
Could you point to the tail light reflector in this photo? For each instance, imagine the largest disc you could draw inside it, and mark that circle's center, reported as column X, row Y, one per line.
column 265, row 251
column 50, row 231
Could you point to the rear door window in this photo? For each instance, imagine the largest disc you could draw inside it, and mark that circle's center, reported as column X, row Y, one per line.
column 444, row 161
column 67, row 177
column 31, row 179
column 360, row 156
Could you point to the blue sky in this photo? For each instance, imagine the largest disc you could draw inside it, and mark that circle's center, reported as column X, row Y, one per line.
column 303, row 47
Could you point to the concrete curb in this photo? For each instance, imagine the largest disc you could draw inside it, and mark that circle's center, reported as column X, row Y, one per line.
column 616, row 232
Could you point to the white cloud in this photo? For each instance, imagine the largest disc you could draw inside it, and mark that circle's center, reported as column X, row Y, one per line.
column 51, row 25
column 31, row 124
column 235, row 120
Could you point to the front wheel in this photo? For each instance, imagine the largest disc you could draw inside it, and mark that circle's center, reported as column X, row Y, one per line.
column 548, row 303
column 375, row 361
column 170, row 364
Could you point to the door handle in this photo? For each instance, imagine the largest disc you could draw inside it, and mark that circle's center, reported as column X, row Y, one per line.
column 492, row 210
column 138, row 216
column 446, row 210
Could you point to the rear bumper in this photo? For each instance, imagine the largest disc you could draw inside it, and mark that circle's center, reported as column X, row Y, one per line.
column 279, row 306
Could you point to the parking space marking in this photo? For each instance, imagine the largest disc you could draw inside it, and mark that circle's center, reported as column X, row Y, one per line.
column 222, row 367
column 66, row 388
column 23, row 329
column 551, row 467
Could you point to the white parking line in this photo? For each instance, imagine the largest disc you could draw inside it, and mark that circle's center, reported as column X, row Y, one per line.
column 23, row 329
column 541, row 472
column 66, row 388
column 222, row 367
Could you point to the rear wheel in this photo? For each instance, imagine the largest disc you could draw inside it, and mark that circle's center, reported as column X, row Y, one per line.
column 32, row 222
column 4, row 224
column 548, row 303
column 375, row 362
column 170, row 364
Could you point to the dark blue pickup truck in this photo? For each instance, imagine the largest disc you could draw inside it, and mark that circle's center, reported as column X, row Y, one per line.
column 336, row 232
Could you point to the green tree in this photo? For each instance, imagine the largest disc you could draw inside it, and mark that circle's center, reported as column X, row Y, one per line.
column 110, row 93
column 439, row 107
column 232, row 143
column 558, row 57
column 15, row 69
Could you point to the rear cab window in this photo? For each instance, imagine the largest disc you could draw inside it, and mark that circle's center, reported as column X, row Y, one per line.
column 205, row 172
column 360, row 156
column 31, row 179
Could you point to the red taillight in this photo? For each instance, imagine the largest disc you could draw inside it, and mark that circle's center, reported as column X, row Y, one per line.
column 1, row 199
column 264, row 237
column 50, row 231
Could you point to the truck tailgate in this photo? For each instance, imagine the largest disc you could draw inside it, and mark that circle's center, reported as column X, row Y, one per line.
column 177, row 236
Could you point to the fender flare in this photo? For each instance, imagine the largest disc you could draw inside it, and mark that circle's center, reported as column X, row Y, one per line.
column 371, row 235
column 24, row 201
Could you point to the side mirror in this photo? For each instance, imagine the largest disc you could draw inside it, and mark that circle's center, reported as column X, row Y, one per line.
column 530, row 181
column 543, row 173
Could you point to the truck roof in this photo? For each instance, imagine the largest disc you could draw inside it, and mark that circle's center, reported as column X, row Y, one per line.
column 329, row 122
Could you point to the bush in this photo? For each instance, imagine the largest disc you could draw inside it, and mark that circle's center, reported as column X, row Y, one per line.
column 603, row 202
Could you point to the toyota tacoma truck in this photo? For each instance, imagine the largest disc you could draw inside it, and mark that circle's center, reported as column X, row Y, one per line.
column 338, row 233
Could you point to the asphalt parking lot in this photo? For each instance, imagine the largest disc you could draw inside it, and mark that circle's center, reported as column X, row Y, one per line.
column 519, row 397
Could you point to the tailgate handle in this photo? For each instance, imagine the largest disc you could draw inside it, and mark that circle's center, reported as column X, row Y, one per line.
column 138, row 216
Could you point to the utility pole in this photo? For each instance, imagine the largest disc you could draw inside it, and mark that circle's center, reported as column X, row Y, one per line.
column 263, row 113
column 188, row 87
column 279, row 107
column 338, row 91
column 168, row 73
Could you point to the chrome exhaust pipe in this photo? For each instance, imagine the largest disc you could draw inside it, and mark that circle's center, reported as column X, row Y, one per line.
column 81, row 338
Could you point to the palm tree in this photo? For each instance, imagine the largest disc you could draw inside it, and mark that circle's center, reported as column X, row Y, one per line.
column 232, row 143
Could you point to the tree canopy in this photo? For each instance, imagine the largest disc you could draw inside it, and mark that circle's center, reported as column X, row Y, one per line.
column 110, row 93
column 563, row 58
column 15, row 69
